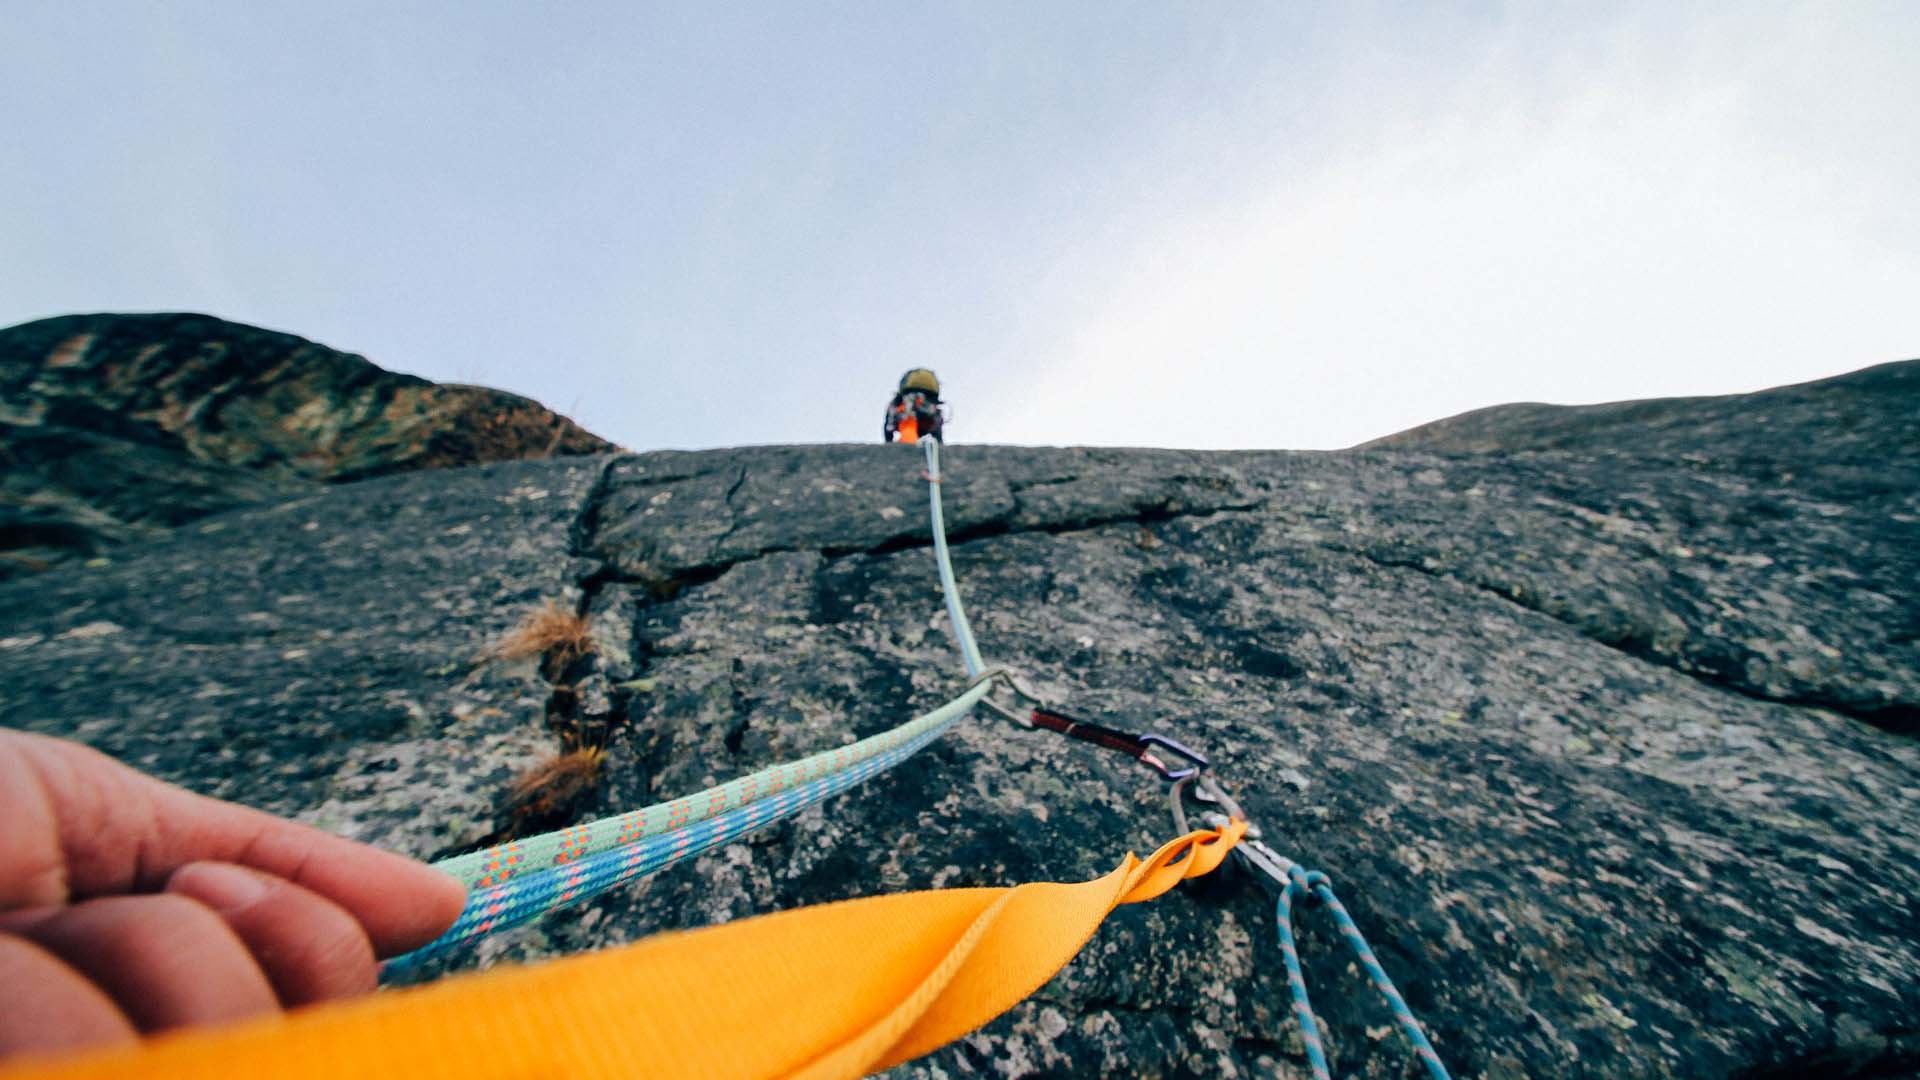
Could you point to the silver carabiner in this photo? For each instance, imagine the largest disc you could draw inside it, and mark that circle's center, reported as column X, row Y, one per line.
column 1005, row 675
column 1253, row 850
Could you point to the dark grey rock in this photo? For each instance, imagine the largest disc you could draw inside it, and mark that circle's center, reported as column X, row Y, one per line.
column 118, row 427
column 315, row 658
column 1611, row 756
column 1846, row 422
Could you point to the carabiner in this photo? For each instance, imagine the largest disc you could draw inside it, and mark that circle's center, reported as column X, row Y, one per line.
column 1253, row 850
column 1198, row 760
column 1138, row 747
column 1004, row 674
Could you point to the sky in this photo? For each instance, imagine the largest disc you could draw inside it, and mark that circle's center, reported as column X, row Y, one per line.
column 1210, row 225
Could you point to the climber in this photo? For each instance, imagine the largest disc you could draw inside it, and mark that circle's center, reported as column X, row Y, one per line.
column 915, row 409
column 131, row 906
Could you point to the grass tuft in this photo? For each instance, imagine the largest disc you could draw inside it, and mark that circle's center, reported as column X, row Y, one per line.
column 555, row 788
column 551, row 632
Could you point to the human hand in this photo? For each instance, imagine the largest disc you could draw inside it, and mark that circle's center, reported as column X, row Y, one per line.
column 129, row 906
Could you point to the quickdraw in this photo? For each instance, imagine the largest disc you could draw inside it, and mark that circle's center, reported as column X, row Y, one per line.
column 1290, row 881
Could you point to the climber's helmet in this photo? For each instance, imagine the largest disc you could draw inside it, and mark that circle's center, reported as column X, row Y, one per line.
column 921, row 379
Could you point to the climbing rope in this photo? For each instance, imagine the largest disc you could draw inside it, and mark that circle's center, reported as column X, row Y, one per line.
column 962, row 632
column 1306, row 885
column 490, row 909
column 518, row 881
column 1292, row 881
column 501, row 862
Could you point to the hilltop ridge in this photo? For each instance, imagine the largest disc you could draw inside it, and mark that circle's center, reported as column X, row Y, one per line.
column 115, row 427
column 1862, row 415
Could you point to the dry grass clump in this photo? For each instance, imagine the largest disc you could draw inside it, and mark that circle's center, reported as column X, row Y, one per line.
column 555, row 788
column 551, row 632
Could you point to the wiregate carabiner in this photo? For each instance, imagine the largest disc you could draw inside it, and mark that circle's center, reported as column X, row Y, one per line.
column 1003, row 674
column 1251, row 848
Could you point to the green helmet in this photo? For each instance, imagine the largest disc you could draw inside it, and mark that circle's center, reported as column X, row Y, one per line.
column 920, row 379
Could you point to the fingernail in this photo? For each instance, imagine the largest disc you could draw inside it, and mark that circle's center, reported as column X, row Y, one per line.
column 220, row 887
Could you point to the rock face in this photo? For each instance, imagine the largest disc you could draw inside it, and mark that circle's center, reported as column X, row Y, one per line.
column 113, row 427
column 1859, row 418
column 1609, row 750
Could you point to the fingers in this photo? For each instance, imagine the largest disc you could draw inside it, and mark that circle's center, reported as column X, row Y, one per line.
column 89, row 826
column 164, row 960
column 223, row 944
column 258, row 911
column 46, row 1006
column 402, row 904
column 33, row 869
column 310, row 948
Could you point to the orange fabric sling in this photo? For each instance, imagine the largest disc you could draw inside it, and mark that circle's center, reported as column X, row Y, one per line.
column 836, row 990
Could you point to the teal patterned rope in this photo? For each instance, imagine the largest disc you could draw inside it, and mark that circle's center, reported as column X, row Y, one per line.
column 547, row 851
column 492, row 908
column 1307, row 885
column 503, row 862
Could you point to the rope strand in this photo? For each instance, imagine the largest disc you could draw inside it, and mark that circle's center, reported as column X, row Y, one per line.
column 1309, row 885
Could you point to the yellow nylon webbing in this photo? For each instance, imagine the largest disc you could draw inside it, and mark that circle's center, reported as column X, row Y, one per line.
column 837, row 990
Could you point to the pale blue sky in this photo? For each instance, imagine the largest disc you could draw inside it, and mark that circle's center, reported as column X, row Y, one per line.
column 1158, row 224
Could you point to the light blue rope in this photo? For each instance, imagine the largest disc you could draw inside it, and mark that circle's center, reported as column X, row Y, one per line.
column 1308, row 885
column 963, row 632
